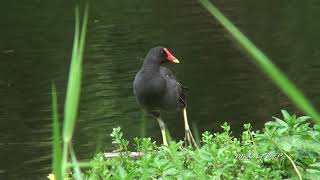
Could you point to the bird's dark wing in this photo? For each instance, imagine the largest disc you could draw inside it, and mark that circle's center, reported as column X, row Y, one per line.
column 183, row 95
column 179, row 90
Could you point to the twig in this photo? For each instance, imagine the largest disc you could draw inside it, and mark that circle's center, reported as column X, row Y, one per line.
column 110, row 155
column 292, row 162
column 294, row 165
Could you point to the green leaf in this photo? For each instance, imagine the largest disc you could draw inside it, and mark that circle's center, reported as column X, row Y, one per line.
column 281, row 122
column 313, row 173
column 56, row 145
column 170, row 172
column 302, row 119
column 272, row 124
column 316, row 165
column 286, row 143
column 122, row 172
column 74, row 84
column 286, row 115
column 282, row 130
column 74, row 80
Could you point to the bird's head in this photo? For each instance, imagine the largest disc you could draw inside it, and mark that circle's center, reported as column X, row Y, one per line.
column 160, row 55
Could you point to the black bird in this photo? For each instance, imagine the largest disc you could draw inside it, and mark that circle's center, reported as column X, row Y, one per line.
column 156, row 89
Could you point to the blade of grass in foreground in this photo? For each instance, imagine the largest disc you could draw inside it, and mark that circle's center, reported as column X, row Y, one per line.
column 74, row 84
column 264, row 63
column 74, row 81
column 75, row 164
column 72, row 96
column 56, row 146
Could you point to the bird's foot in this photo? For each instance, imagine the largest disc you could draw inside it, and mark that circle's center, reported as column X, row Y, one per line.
column 189, row 140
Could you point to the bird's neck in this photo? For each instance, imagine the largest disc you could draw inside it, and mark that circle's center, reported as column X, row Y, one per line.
column 150, row 66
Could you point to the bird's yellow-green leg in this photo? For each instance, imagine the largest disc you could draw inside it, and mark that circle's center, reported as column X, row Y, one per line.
column 163, row 131
column 188, row 135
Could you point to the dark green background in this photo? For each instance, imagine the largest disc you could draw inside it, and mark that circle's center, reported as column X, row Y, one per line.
column 35, row 49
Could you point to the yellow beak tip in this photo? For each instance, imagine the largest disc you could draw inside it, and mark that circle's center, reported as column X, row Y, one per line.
column 176, row 61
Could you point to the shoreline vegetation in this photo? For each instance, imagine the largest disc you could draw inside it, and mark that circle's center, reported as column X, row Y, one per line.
column 286, row 148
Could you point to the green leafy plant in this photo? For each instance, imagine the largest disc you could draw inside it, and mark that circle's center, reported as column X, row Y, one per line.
column 117, row 139
column 296, row 140
column 285, row 148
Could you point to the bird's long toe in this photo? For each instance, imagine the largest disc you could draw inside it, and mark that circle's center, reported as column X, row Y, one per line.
column 189, row 140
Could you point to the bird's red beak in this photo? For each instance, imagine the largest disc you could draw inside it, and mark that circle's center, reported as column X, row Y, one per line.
column 170, row 57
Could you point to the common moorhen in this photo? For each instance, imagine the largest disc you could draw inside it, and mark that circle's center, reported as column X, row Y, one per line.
column 156, row 89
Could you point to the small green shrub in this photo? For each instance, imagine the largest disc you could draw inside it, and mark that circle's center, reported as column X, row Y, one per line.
column 269, row 154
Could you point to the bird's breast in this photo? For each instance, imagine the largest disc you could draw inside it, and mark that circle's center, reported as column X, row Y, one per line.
column 149, row 91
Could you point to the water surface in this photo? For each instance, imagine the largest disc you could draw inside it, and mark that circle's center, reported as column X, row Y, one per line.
column 35, row 45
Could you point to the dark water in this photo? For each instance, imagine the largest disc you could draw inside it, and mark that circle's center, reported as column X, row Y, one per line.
column 35, row 45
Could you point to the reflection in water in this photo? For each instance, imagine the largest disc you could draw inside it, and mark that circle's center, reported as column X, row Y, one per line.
column 224, row 86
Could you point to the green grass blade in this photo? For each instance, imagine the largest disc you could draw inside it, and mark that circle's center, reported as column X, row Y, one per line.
column 83, row 32
column 73, row 93
column 56, row 145
column 74, row 81
column 75, row 164
column 74, row 85
column 264, row 63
